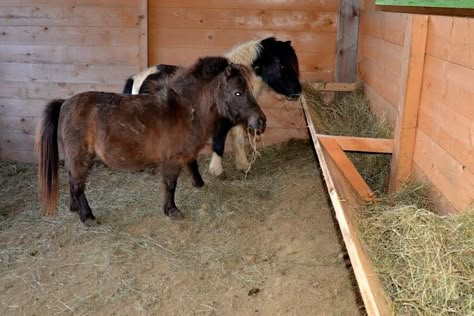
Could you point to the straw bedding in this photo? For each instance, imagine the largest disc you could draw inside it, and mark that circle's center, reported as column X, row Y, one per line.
column 425, row 261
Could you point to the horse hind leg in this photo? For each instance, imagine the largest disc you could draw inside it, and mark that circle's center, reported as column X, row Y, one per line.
column 170, row 173
column 193, row 169
column 78, row 170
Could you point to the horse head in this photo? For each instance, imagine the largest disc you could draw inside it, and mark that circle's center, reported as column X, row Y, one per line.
column 236, row 100
column 277, row 64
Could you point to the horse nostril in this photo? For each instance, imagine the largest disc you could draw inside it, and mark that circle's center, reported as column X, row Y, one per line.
column 261, row 123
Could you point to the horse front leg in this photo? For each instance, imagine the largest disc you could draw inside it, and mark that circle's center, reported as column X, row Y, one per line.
column 170, row 172
column 218, row 145
column 193, row 169
column 238, row 142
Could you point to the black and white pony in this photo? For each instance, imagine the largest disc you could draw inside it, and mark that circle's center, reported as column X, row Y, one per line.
column 274, row 62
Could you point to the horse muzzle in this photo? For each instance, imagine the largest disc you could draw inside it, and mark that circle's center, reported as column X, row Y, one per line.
column 257, row 123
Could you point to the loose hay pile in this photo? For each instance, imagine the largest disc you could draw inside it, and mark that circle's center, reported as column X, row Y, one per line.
column 351, row 116
column 256, row 242
column 426, row 262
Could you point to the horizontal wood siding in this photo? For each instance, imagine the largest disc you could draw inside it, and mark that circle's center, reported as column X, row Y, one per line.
column 444, row 141
column 444, row 151
column 55, row 49
column 181, row 31
column 380, row 54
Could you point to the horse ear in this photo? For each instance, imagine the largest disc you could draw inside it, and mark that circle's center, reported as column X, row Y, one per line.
column 229, row 70
column 288, row 42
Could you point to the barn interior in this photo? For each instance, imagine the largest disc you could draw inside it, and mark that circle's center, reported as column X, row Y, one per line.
column 284, row 237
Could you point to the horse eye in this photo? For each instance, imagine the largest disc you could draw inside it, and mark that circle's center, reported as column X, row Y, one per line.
column 282, row 67
column 238, row 93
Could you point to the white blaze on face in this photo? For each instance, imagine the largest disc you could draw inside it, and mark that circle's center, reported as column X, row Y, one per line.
column 140, row 77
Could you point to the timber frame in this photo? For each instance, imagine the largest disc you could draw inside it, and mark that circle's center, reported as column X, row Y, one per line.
column 346, row 187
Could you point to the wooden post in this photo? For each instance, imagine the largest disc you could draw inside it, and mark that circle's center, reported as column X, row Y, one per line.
column 347, row 35
column 143, row 29
column 409, row 104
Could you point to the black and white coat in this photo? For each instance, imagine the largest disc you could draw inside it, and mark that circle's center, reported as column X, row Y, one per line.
column 274, row 63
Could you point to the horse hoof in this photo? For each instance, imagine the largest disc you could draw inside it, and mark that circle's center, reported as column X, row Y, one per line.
column 175, row 214
column 242, row 166
column 91, row 222
column 198, row 183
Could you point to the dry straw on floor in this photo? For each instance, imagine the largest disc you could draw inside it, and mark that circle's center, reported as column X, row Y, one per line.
column 425, row 261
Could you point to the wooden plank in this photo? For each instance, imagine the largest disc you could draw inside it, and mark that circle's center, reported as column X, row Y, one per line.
column 218, row 38
column 22, row 107
column 347, row 168
column 335, row 86
column 465, row 4
column 17, row 141
column 283, row 117
column 18, row 155
column 52, row 90
column 313, row 5
column 76, row 3
column 451, row 178
column 111, row 74
column 380, row 106
column 345, row 203
column 274, row 135
column 308, row 61
column 69, row 35
column 410, row 91
column 427, row 10
column 68, row 16
column 446, row 114
column 376, row 75
column 19, row 124
column 347, row 36
column 362, row 144
column 252, row 19
column 74, row 55
column 389, row 27
column 143, row 34
column 438, row 201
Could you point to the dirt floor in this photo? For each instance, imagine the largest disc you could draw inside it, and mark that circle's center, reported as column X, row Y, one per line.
column 266, row 244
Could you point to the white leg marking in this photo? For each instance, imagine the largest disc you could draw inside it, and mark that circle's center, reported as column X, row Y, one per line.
column 215, row 167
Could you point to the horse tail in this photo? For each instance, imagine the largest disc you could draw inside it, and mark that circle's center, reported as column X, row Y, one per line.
column 128, row 86
column 48, row 156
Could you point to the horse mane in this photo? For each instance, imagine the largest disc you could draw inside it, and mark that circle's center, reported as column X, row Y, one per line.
column 245, row 53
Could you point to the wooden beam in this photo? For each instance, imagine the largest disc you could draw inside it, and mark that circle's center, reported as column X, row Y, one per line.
column 426, row 10
column 347, row 168
column 335, row 86
column 409, row 104
column 466, row 4
column 143, row 29
column 347, row 36
column 362, row 144
column 346, row 203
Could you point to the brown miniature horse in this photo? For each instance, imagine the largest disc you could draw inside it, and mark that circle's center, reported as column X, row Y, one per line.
column 137, row 131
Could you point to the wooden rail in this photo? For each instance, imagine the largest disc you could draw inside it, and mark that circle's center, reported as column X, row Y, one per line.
column 346, row 202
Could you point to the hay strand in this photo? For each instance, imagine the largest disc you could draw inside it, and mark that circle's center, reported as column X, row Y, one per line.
column 351, row 116
column 425, row 261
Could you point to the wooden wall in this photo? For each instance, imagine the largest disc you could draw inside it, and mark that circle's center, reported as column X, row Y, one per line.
column 443, row 140
column 381, row 43
column 444, row 146
column 54, row 49
column 182, row 30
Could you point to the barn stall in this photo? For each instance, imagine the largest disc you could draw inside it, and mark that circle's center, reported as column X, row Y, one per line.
column 413, row 68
